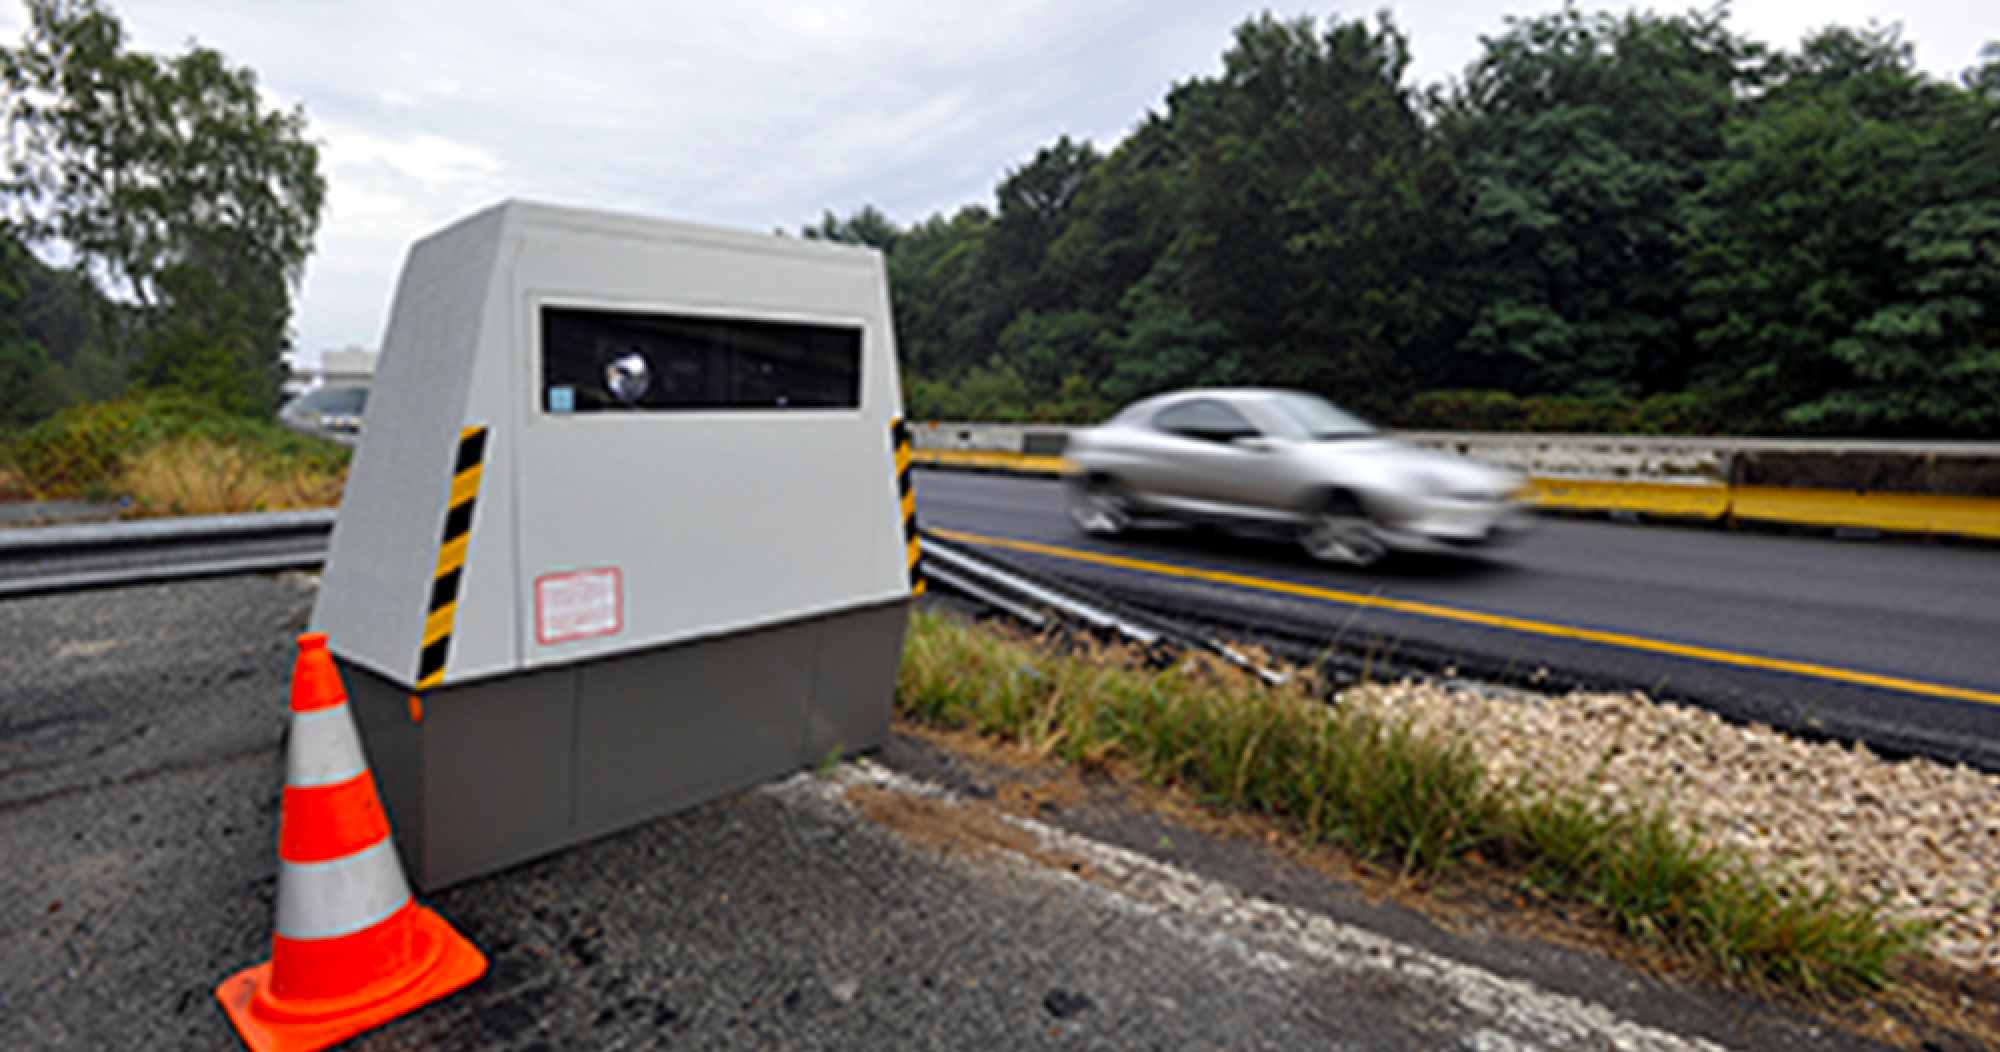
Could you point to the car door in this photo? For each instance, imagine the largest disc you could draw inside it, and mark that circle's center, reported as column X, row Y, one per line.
column 1198, row 468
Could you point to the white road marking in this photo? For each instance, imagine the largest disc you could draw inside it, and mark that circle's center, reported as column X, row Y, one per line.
column 1493, row 1013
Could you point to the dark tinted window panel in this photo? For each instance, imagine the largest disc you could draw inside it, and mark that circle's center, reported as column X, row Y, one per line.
column 1204, row 419
column 596, row 361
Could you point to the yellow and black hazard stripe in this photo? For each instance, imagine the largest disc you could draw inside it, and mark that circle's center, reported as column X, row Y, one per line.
column 912, row 547
column 452, row 546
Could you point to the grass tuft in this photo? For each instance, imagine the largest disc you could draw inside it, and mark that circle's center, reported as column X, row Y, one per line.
column 1418, row 801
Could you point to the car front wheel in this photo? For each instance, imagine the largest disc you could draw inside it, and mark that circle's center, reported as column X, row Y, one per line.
column 1340, row 531
column 1098, row 505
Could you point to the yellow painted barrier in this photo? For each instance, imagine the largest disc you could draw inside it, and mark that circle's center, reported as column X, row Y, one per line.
column 1678, row 499
column 1896, row 512
column 1890, row 512
column 982, row 460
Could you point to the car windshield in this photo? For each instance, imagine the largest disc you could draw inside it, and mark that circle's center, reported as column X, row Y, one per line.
column 1320, row 419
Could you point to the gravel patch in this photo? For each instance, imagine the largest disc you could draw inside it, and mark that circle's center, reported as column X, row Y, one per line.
column 1919, row 837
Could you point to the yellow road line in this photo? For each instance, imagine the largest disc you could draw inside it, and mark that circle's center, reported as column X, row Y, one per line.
column 1473, row 617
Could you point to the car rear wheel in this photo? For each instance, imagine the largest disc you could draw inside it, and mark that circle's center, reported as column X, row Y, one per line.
column 1340, row 531
column 1098, row 505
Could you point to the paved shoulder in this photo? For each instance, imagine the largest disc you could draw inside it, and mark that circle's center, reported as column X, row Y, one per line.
column 138, row 807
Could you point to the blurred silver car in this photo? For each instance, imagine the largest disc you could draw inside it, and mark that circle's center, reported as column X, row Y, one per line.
column 333, row 411
column 1284, row 461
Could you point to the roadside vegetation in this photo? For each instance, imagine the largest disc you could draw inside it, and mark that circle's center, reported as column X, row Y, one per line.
column 1418, row 803
column 156, row 216
column 164, row 453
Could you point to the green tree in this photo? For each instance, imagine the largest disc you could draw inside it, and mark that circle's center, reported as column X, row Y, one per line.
column 1023, row 287
column 1164, row 345
column 172, row 182
column 1314, row 232
column 31, row 384
column 867, row 227
column 1577, row 139
column 1035, row 200
column 1122, row 221
column 1051, row 348
column 1928, row 363
column 984, row 392
column 937, row 294
column 1122, row 259
column 1789, row 242
column 51, row 354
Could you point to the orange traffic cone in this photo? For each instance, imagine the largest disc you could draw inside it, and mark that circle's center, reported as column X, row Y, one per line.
column 352, row 949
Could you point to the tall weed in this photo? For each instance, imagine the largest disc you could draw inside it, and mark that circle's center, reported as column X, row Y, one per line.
column 1418, row 801
column 197, row 477
column 173, row 455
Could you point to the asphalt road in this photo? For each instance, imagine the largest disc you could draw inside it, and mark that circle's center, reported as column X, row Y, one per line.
column 1896, row 643
column 140, row 766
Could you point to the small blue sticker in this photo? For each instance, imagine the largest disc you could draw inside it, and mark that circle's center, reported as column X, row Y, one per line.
column 562, row 399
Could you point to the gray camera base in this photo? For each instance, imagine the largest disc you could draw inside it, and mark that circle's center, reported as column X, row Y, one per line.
column 497, row 772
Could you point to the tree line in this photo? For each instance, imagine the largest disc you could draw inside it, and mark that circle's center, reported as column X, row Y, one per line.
column 1627, row 222
column 179, row 210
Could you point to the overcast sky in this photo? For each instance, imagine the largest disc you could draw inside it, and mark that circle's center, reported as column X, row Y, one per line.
column 762, row 114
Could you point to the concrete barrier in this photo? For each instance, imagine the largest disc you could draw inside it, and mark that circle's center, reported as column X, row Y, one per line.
column 1942, row 488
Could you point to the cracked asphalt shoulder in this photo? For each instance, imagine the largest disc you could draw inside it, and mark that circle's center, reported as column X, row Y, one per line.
column 927, row 897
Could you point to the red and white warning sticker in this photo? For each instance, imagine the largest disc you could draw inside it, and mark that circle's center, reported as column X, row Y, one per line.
column 578, row 605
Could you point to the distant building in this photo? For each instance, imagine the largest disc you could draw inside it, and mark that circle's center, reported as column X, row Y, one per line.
column 348, row 367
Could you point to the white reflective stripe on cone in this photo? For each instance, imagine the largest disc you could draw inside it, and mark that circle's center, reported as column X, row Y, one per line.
column 325, row 900
column 324, row 750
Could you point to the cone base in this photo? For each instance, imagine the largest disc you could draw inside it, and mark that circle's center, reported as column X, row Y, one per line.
column 456, row 964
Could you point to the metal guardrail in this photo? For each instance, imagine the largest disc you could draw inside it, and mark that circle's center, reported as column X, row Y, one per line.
column 54, row 559
column 1039, row 602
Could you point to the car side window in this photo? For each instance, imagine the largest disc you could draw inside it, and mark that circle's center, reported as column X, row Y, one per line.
column 1205, row 420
